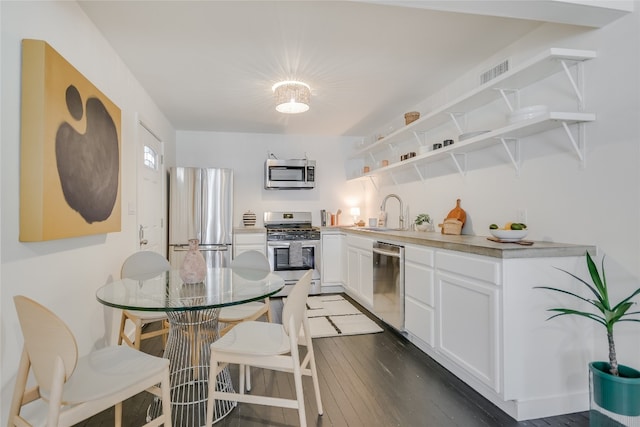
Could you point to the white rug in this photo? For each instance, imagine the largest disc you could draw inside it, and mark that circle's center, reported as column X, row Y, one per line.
column 332, row 316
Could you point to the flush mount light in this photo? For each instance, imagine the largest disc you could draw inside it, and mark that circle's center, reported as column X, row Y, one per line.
column 292, row 97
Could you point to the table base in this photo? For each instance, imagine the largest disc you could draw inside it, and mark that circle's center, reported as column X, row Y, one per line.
column 188, row 350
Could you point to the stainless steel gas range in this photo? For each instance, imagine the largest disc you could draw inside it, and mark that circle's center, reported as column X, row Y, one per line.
column 293, row 247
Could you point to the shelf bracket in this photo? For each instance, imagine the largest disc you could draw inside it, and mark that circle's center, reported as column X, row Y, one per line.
column 393, row 178
column 462, row 168
column 514, row 155
column 574, row 84
column 415, row 166
column 454, row 118
column 578, row 146
column 504, row 92
column 373, row 182
column 415, row 134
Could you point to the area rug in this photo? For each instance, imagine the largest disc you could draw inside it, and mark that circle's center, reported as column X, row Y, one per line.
column 333, row 316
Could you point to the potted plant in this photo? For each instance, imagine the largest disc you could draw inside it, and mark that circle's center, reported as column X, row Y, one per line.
column 614, row 387
column 423, row 222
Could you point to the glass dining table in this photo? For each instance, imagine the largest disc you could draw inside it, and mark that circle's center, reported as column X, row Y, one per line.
column 192, row 310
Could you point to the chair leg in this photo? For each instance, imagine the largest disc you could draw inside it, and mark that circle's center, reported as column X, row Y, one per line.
column 213, row 378
column 314, row 377
column 21, row 386
column 118, row 415
column 123, row 321
column 241, row 384
column 248, row 377
column 166, row 399
column 297, row 379
column 269, row 315
column 165, row 325
column 138, row 324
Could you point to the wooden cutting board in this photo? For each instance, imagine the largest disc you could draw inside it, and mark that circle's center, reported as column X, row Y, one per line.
column 457, row 213
column 517, row 242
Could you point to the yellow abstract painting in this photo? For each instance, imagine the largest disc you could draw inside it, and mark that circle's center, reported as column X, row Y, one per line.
column 69, row 153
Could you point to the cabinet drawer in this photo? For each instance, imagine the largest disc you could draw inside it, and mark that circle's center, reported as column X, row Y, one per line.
column 476, row 267
column 418, row 254
column 360, row 242
column 250, row 238
column 419, row 283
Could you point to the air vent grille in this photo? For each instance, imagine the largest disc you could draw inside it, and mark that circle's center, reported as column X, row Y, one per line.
column 494, row 72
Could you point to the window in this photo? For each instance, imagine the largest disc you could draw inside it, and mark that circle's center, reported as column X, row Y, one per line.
column 150, row 158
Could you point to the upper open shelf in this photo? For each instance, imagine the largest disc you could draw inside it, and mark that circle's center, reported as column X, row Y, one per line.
column 537, row 68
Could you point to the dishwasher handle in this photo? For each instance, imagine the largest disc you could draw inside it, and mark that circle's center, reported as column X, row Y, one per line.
column 393, row 254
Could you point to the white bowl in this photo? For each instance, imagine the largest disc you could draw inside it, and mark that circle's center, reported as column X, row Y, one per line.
column 527, row 113
column 423, row 149
column 509, row 235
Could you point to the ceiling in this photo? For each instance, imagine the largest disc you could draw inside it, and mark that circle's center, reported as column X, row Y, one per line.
column 210, row 65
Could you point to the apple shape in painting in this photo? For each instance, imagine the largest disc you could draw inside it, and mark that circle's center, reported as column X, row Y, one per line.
column 88, row 164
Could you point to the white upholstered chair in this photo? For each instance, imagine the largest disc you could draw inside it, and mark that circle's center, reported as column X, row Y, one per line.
column 269, row 346
column 69, row 389
column 232, row 315
column 143, row 264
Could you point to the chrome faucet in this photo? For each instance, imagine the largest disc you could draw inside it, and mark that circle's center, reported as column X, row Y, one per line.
column 384, row 205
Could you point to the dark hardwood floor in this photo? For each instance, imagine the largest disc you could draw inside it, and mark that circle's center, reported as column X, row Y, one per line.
column 365, row 380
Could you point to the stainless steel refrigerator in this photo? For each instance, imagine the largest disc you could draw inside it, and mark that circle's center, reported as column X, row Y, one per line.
column 201, row 207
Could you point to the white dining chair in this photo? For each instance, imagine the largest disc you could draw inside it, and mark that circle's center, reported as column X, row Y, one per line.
column 69, row 389
column 269, row 346
column 143, row 265
column 230, row 316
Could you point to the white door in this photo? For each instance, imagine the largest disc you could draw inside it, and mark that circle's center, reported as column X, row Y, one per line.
column 151, row 194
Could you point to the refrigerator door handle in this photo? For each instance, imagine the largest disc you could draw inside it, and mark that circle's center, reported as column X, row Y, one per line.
column 221, row 248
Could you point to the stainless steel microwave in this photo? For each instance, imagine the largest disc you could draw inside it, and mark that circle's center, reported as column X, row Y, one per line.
column 292, row 174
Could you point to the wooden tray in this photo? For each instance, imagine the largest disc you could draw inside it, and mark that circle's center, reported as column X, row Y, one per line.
column 517, row 242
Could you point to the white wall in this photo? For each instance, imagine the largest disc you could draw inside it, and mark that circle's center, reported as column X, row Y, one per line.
column 246, row 154
column 63, row 274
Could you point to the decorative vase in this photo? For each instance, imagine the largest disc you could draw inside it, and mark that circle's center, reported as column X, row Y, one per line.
column 619, row 395
column 422, row 227
column 194, row 267
column 249, row 219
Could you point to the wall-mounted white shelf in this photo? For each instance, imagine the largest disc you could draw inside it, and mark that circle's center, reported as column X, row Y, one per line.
column 515, row 131
column 545, row 64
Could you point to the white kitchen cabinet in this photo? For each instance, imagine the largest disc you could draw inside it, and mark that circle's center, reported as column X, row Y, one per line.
column 249, row 241
column 419, row 290
column 468, row 296
column 469, row 333
column 474, row 308
column 334, row 267
column 537, row 68
column 360, row 269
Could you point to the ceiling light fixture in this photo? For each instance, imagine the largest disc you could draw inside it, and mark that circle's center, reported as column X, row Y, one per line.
column 292, row 97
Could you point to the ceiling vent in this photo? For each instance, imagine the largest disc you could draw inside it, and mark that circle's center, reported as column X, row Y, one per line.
column 494, row 72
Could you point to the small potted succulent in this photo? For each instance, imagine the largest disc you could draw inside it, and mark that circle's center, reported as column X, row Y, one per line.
column 423, row 222
column 613, row 387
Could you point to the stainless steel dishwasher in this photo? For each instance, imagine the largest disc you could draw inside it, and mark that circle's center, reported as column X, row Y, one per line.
column 388, row 283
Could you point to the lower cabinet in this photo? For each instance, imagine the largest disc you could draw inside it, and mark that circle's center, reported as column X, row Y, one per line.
column 334, row 266
column 483, row 319
column 419, row 291
column 245, row 241
column 468, row 297
column 360, row 269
